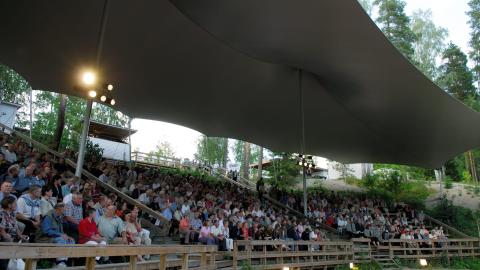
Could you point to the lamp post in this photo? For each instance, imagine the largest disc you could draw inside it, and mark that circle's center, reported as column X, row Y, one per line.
column 89, row 84
column 306, row 162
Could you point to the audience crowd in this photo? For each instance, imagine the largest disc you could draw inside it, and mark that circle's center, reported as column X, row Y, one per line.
column 42, row 201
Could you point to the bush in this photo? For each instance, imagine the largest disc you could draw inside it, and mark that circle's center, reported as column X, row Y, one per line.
column 370, row 181
column 448, row 182
column 458, row 217
column 352, row 180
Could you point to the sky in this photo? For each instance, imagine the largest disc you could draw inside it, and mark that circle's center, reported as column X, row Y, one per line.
column 449, row 14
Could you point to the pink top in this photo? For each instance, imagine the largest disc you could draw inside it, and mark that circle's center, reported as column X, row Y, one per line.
column 205, row 231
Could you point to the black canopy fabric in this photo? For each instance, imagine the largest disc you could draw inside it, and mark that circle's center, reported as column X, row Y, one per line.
column 231, row 69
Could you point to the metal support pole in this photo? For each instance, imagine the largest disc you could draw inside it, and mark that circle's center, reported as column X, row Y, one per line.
column 304, row 191
column 31, row 114
column 83, row 139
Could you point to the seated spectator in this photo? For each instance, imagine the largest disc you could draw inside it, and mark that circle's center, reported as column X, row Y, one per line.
column 12, row 176
column 9, row 231
column 74, row 214
column 206, row 236
column 57, row 187
column 9, row 153
column 6, row 189
column 4, row 164
column 68, row 198
column 39, row 177
column 87, row 231
column 27, row 180
column 52, row 230
column 66, row 189
column 111, row 227
column 226, row 234
column 134, row 232
column 28, row 210
column 184, row 229
column 47, row 202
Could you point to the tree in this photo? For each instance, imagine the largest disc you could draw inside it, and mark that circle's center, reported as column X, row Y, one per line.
column 163, row 149
column 284, row 172
column 474, row 14
column 237, row 150
column 395, row 24
column 455, row 76
column 367, row 6
column 245, row 169
column 212, row 150
column 109, row 116
column 344, row 169
column 60, row 122
column 429, row 44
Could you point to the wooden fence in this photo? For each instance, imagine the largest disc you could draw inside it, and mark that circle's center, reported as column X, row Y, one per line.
column 31, row 253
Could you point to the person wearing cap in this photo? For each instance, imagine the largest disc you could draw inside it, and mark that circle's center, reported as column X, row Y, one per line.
column 9, row 152
column 51, row 230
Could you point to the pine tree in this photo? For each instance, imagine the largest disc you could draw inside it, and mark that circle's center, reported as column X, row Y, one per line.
column 395, row 24
column 474, row 22
column 455, row 76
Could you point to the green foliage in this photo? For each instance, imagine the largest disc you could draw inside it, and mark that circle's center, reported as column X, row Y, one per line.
column 370, row 181
column 448, row 182
column 93, row 152
column 212, row 150
column 237, row 150
column 395, row 24
column 430, row 42
column 458, row 217
column 474, row 14
column 455, row 76
column 163, row 149
column 109, row 116
column 352, row 180
column 410, row 172
column 442, row 262
column 367, row 6
column 284, row 172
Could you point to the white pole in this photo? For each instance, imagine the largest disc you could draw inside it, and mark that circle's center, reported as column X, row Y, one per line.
column 31, row 113
column 83, row 139
column 130, row 138
column 304, row 191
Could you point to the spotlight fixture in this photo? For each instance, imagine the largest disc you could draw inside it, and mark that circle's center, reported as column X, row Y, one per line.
column 92, row 93
column 112, row 102
column 88, row 78
column 110, row 87
column 423, row 262
column 103, row 98
column 351, row 265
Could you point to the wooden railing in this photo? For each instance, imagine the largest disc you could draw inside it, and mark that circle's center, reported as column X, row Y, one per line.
column 31, row 253
column 90, row 176
column 416, row 249
column 155, row 160
column 294, row 254
column 447, row 228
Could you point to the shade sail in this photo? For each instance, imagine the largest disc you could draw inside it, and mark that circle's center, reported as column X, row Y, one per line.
column 231, row 69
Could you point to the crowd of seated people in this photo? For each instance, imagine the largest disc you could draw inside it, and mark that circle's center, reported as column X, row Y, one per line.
column 43, row 202
column 358, row 216
column 211, row 213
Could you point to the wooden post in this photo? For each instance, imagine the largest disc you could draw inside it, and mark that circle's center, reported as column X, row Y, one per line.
column 30, row 264
column 203, row 260
column 235, row 255
column 90, row 263
column 163, row 262
column 265, row 254
column 185, row 261
column 390, row 250
column 133, row 262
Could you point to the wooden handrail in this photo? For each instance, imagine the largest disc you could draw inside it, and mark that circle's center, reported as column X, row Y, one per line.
column 33, row 252
column 86, row 173
column 448, row 227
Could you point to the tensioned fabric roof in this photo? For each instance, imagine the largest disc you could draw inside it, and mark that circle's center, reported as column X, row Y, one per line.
column 230, row 69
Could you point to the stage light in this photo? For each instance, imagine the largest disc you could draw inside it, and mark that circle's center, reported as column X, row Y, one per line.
column 92, row 93
column 88, row 78
column 286, row 268
column 110, row 87
column 351, row 265
column 300, row 163
column 310, row 165
column 423, row 262
column 103, row 98
column 112, row 102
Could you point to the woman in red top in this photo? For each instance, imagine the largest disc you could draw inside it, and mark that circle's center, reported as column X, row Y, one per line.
column 88, row 232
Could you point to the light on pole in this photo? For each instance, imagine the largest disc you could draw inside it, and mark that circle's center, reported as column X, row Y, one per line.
column 306, row 162
column 89, row 84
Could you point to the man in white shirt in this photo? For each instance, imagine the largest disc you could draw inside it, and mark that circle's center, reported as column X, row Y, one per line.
column 28, row 210
column 9, row 153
